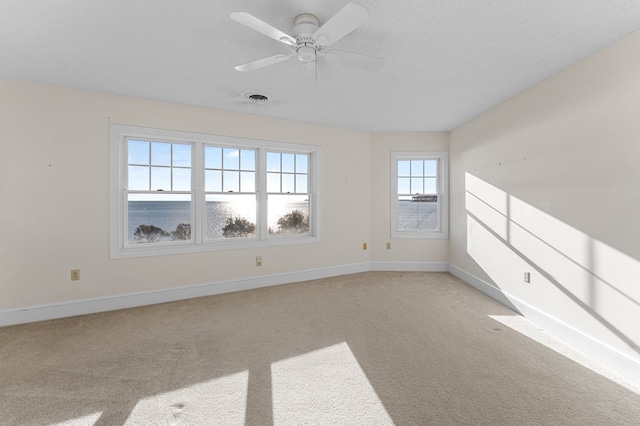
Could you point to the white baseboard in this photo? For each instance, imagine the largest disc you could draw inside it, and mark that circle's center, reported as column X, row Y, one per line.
column 595, row 349
column 132, row 300
column 491, row 291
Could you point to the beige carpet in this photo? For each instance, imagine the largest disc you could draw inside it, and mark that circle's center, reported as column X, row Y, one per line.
column 373, row 348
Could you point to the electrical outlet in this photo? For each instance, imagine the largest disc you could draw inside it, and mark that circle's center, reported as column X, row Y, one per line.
column 258, row 260
column 75, row 275
column 364, row 246
column 388, row 246
column 527, row 277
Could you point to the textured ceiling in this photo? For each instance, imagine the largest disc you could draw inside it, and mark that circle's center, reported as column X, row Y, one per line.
column 446, row 61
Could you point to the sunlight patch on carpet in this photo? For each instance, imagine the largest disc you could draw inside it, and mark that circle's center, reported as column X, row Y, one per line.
column 222, row 400
column 324, row 387
column 89, row 420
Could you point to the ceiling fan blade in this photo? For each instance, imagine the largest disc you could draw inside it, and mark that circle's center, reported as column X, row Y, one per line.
column 261, row 63
column 262, row 27
column 355, row 60
column 342, row 23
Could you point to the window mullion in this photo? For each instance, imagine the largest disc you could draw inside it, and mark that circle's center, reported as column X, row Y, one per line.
column 197, row 192
column 171, row 169
column 149, row 166
column 261, row 176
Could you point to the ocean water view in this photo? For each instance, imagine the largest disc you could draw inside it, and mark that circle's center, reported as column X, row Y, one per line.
column 167, row 215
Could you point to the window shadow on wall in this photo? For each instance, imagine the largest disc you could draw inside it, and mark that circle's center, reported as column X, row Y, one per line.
column 575, row 278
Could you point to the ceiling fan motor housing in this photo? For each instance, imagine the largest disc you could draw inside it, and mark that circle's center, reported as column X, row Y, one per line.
column 305, row 25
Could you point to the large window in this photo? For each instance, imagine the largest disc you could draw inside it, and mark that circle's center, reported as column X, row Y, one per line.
column 419, row 205
column 175, row 192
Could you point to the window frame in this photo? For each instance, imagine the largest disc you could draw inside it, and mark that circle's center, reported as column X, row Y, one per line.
column 281, row 192
column 223, row 189
column 118, row 213
column 442, row 181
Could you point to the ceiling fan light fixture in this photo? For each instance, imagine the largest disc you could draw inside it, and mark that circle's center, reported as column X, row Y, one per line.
column 306, row 54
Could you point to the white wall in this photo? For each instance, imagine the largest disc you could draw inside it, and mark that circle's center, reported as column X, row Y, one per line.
column 418, row 253
column 54, row 168
column 549, row 183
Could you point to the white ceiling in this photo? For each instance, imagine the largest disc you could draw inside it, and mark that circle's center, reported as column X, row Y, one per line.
column 446, row 61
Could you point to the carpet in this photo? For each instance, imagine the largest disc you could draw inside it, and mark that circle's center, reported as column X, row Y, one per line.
column 376, row 348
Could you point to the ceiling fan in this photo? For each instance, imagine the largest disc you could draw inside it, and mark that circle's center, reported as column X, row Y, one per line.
column 308, row 39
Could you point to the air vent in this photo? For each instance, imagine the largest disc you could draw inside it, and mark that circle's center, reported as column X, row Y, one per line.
column 256, row 97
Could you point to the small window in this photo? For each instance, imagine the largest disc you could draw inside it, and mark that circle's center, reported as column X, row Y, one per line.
column 419, row 204
column 178, row 192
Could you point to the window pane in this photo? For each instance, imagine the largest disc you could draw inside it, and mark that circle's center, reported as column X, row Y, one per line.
column 160, row 154
column 431, row 168
column 138, row 178
column 302, row 163
column 230, row 216
column 273, row 182
column 288, row 183
column 230, row 181
column 247, row 182
column 181, row 155
column 182, row 179
column 301, row 183
column 213, row 181
column 273, row 162
column 157, row 218
column 248, row 159
column 416, row 186
column 138, row 152
column 417, row 215
column 417, row 168
column 212, row 157
column 430, row 186
column 404, row 168
column 161, row 178
column 231, row 158
column 288, row 161
column 404, row 186
column 288, row 215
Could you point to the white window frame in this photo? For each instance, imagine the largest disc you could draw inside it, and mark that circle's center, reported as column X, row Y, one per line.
column 442, row 192
column 119, row 247
column 267, row 193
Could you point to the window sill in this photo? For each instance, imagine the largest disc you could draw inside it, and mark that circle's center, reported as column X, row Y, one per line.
column 145, row 250
column 422, row 235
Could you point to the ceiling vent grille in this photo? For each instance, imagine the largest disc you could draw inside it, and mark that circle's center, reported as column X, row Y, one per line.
column 256, row 97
